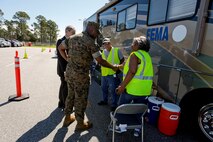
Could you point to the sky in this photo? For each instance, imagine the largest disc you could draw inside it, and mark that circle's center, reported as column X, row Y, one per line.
column 62, row 12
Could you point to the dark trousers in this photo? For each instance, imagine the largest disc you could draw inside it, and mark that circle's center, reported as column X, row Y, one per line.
column 63, row 91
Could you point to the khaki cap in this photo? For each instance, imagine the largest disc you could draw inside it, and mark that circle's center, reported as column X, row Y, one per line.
column 106, row 40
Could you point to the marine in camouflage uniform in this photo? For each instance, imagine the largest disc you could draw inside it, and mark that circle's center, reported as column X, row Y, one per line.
column 82, row 49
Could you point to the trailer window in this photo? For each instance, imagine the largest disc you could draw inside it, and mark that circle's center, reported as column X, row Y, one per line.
column 127, row 18
column 121, row 21
column 162, row 11
column 157, row 11
column 181, row 9
column 131, row 17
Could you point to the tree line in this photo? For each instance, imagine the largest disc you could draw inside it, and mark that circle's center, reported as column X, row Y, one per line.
column 42, row 31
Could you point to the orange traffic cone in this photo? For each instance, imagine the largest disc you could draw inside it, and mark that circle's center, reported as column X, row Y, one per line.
column 19, row 96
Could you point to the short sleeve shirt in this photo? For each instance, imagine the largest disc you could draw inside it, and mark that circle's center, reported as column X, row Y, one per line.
column 82, row 50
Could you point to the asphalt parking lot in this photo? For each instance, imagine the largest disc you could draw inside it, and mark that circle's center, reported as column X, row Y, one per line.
column 38, row 118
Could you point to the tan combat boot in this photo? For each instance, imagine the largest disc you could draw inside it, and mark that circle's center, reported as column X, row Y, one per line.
column 68, row 120
column 83, row 126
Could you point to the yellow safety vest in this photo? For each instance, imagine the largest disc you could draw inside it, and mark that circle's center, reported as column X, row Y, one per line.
column 112, row 58
column 141, row 83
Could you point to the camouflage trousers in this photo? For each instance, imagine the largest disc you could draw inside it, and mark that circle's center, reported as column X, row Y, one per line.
column 76, row 100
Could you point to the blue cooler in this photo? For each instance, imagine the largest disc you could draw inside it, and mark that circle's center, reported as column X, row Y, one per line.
column 154, row 104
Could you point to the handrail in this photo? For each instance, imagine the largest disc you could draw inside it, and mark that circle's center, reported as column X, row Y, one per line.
column 180, row 70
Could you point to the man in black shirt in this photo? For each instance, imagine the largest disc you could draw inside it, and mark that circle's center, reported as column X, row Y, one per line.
column 61, row 67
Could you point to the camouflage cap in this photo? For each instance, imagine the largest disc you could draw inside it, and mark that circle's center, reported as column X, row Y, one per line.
column 96, row 25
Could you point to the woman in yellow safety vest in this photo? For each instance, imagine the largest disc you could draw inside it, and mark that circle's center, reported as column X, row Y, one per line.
column 137, row 73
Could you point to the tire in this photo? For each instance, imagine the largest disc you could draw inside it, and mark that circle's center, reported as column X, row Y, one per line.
column 192, row 105
column 205, row 120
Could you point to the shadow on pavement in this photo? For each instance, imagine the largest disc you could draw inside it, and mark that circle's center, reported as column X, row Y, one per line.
column 43, row 128
column 60, row 135
column 2, row 104
column 98, row 115
column 83, row 136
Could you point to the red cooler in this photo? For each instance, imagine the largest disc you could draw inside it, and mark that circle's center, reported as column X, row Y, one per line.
column 169, row 118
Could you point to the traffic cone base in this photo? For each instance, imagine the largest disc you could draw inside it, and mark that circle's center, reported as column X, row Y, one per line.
column 22, row 97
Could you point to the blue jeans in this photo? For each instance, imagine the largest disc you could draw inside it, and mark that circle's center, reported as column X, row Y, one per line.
column 109, row 84
column 126, row 98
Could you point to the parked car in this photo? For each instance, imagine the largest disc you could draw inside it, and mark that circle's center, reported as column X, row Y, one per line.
column 4, row 43
column 16, row 43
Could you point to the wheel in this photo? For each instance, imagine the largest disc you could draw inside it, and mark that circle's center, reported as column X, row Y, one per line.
column 205, row 119
column 194, row 107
